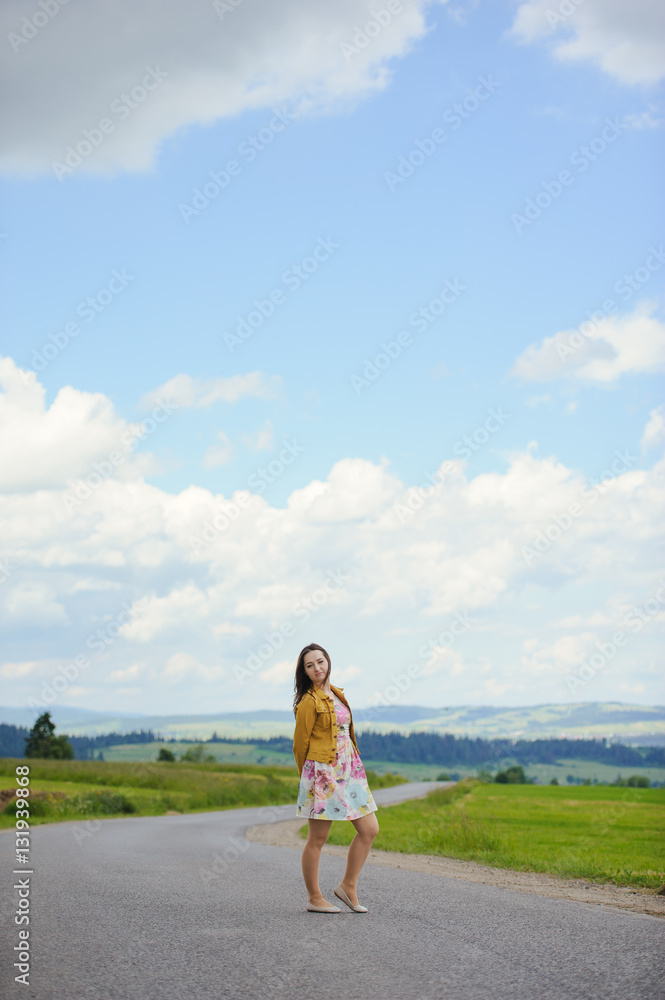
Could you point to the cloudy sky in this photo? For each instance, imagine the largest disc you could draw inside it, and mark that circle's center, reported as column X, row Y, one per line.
column 334, row 321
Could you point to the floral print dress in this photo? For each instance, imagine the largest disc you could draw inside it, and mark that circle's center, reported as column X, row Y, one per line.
column 339, row 790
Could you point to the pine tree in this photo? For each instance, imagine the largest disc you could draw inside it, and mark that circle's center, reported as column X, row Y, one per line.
column 41, row 741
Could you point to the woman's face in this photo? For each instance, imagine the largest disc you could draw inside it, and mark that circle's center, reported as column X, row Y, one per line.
column 316, row 666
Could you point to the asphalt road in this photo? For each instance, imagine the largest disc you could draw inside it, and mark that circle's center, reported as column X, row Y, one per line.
column 180, row 907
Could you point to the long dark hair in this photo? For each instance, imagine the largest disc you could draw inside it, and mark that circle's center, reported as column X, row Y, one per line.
column 303, row 684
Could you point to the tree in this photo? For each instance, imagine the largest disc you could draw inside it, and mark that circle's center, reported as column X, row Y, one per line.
column 197, row 755
column 637, row 781
column 484, row 774
column 165, row 754
column 41, row 741
column 512, row 776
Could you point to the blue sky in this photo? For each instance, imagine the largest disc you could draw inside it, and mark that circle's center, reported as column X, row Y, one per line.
column 517, row 101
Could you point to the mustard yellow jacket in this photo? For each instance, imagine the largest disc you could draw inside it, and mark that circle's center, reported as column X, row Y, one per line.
column 315, row 735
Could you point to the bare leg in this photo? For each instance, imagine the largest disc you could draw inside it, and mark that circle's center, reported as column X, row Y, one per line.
column 367, row 828
column 317, row 835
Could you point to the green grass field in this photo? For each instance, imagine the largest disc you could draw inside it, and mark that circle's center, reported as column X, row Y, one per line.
column 74, row 789
column 251, row 753
column 599, row 833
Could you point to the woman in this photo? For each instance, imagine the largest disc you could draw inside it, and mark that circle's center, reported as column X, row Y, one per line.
column 333, row 784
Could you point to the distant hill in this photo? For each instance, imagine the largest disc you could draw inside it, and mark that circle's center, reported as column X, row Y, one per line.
column 637, row 724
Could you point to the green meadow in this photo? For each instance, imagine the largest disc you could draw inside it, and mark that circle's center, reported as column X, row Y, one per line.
column 598, row 833
column 254, row 753
column 79, row 789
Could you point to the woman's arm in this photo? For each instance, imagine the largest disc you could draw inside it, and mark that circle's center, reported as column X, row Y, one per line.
column 305, row 719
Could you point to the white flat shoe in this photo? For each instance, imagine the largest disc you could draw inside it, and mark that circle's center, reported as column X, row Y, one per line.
column 322, row 909
column 339, row 892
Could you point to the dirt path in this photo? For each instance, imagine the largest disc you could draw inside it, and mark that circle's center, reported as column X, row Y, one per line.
column 285, row 834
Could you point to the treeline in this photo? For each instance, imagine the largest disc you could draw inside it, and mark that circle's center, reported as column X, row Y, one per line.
column 432, row 748
column 416, row 748
column 84, row 746
column 12, row 741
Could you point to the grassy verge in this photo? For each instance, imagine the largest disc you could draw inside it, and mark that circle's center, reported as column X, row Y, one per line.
column 598, row 833
column 77, row 789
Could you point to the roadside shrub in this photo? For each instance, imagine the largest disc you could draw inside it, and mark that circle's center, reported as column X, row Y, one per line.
column 103, row 802
column 41, row 804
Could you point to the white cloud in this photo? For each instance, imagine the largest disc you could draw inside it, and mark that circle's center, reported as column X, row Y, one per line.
column 128, row 673
column 14, row 670
column 654, row 432
column 156, row 615
column 651, row 118
column 184, row 391
column 262, row 439
column 342, row 675
column 562, row 654
column 354, row 490
column 44, row 447
column 220, row 453
column 34, row 604
column 185, row 667
column 280, row 673
column 626, row 40
column 460, row 552
column 257, row 56
column 445, row 659
column 598, row 351
column 493, row 689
